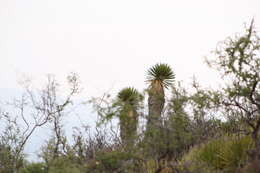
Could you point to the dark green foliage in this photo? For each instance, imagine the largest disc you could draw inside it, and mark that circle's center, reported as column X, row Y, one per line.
column 11, row 155
column 114, row 161
column 6, row 159
column 180, row 135
column 65, row 165
column 177, row 129
column 34, row 168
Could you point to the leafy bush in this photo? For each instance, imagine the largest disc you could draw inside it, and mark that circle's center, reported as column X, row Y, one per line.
column 65, row 165
column 8, row 162
column 6, row 158
column 114, row 161
column 34, row 168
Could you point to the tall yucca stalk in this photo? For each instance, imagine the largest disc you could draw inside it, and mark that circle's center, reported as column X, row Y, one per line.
column 129, row 101
column 159, row 77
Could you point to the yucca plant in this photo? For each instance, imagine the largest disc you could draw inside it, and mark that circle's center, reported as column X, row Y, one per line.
column 159, row 77
column 128, row 100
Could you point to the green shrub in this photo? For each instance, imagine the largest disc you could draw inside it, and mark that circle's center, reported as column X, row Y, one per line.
column 34, row 168
column 65, row 165
column 114, row 161
column 226, row 154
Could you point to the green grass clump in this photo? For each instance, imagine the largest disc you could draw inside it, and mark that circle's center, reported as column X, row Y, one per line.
column 224, row 154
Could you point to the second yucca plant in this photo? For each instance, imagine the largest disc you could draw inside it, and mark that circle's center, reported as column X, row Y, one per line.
column 128, row 99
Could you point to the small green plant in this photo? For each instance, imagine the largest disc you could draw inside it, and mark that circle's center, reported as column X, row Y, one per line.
column 114, row 161
column 226, row 153
column 34, row 168
column 65, row 165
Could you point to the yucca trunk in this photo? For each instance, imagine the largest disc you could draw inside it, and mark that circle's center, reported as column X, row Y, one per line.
column 156, row 102
column 154, row 131
column 128, row 127
column 160, row 77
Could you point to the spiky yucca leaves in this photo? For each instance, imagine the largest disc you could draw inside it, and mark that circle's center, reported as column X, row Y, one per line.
column 160, row 74
column 129, row 101
column 130, row 96
column 159, row 77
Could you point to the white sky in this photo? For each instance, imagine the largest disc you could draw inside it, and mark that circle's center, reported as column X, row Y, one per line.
column 111, row 43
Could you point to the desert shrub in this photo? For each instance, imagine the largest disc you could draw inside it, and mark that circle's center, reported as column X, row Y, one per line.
column 34, row 168
column 6, row 157
column 8, row 162
column 225, row 154
column 114, row 161
column 65, row 165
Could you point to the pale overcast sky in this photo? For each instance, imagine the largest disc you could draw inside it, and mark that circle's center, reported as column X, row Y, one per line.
column 111, row 43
